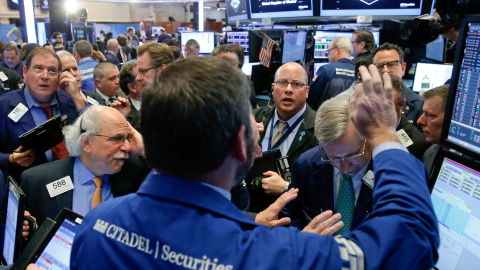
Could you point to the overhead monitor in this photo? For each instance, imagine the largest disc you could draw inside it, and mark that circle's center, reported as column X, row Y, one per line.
column 238, row 37
column 370, row 7
column 293, row 48
column 428, row 76
column 323, row 39
column 461, row 125
column 456, row 202
column 237, row 10
column 280, row 8
column 205, row 39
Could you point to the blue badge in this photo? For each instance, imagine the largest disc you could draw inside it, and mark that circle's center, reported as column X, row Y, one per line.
column 301, row 136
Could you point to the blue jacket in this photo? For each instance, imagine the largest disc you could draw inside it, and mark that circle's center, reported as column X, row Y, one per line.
column 332, row 79
column 314, row 179
column 112, row 58
column 86, row 66
column 172, row 223
column 18, row 69
column 10, row 131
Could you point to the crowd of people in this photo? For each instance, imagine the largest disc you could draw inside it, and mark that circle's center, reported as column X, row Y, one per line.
column 159, row 144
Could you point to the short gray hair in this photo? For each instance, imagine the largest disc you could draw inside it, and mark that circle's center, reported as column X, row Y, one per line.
column 332, row 119
column 64, row 53
column 85, row 126
column 83, row 48
column 343, row 43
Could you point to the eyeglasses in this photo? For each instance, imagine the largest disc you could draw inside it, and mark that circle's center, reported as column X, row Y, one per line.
column 40, row 70
column 390, row 65
column 142, row 72
column 353, row 158
column 328, row 51
column 119, row 138
column 295, row 85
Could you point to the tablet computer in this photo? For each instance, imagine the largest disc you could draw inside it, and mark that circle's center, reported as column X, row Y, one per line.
column 45, row 136
column 12, row 235
column 51, row 246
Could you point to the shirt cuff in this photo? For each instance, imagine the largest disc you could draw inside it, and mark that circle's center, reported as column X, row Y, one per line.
column 387, row 146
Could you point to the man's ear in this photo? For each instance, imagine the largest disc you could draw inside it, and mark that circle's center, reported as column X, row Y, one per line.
column 240, row 146
column 132, row 88
column 86, row 144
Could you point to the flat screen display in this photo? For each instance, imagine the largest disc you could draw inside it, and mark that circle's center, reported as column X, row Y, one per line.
column 238, row 37
column 155, row 30
column 205, row 39
column 11, row 225
column 56, row 254
column 370, row 7
column 461, row 129
column 456, row 202
column 236, row 10
column 316, row 66
column 293, row 46
column 323, row 39
column 280, row 8
column 428, row 76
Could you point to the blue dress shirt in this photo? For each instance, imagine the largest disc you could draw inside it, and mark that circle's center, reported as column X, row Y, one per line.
column 84, row 188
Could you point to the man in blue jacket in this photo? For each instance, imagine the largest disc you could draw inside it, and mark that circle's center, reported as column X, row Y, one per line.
column 333, row 78
column 181, row 216
column 83, row 55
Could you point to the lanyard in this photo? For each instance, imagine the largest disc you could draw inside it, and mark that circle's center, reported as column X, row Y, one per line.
column 285, row 135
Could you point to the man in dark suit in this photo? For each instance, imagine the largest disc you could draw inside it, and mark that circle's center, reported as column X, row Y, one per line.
column 162, row 35
column 142, row 33
column 336, row 176
column 11, row 59
column 112, row 50
column 295, row 120
column 99, row 167
column 69, row 64
column 106, row 78
column 133, row 90
column 28, row 107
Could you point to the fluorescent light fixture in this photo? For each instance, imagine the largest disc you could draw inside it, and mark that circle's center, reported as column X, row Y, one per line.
column 30, row 21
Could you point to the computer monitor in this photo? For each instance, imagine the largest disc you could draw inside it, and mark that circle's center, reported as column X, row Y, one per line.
column 155, row 30
column 316, row 66
column 461, row 125
column 280, row 9
column 456, row 201
column 206, row 40
column 428, row 76
column 12, row 236
column 371, row 8
column 237, row 10
column 323, row 39
column 181, row 28
column 293, row 48
column 238, row 37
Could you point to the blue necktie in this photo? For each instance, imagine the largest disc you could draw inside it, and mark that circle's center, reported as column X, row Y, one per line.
column 346, row 204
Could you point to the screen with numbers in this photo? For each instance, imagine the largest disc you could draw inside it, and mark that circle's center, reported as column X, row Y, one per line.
column 461, row 129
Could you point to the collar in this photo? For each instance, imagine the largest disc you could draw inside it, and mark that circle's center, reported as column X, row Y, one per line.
column 83, row 174
column 222, row 191
column 31, row 101
column 290, row 121
column 344, row 60
column 105, row 97
column 86, row 59
column 135, row 103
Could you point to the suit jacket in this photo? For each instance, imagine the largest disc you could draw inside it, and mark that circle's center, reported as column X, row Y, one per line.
column 260, row 201
column 41, row 206
column 314, row 179
column 134, row 117
column 413, row 109
column 429, row 158
column 13, row 81
column 112, row 58
column 147, row 34
column 420, row 145
column 95, row 96
column 10, row 130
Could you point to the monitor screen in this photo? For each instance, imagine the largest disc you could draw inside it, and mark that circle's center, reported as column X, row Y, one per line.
column 236, row 10
column 247, row 66
column 370, row 7
column 205, row 39
column 11, row 224
column 279, row 9
column 238, row 37
column 461, row 129
column 428, row 76
column 323, row 39
column 456, row 202
column 316, row 66
column 155, row 30
column 56, row 254
column 293, row 46
column 181, row 28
